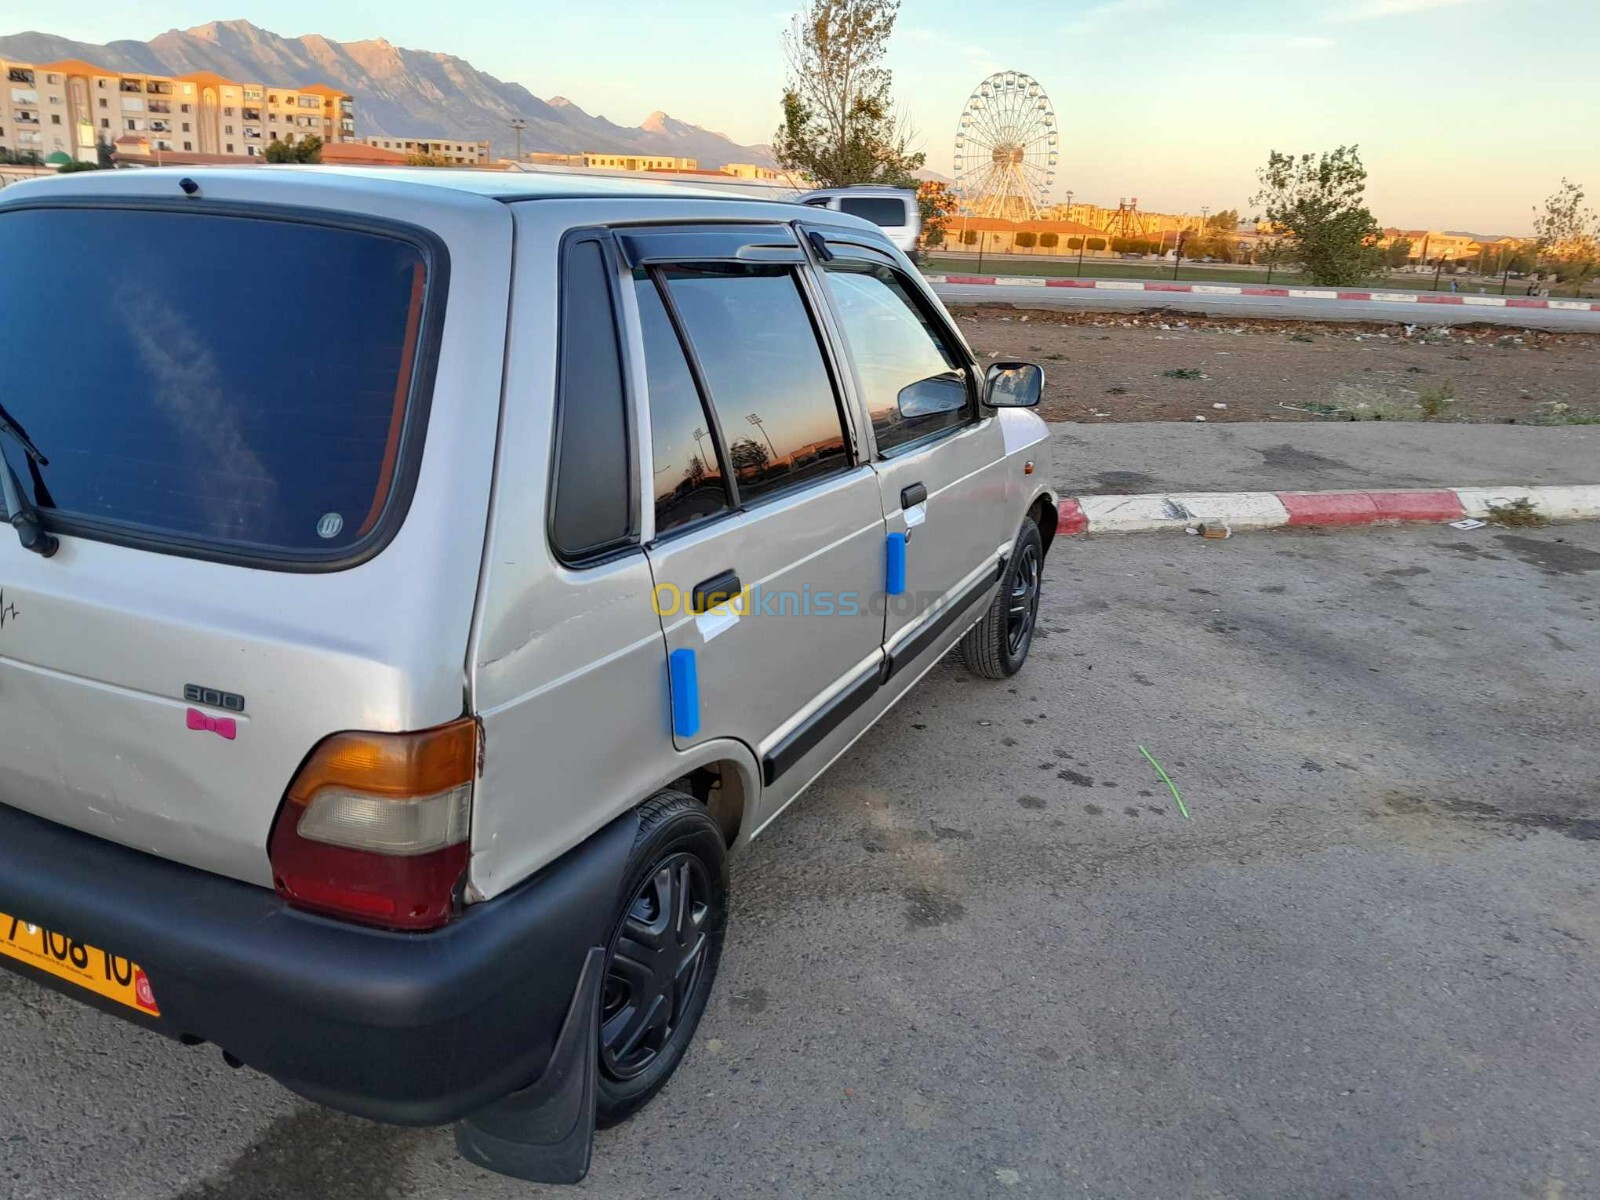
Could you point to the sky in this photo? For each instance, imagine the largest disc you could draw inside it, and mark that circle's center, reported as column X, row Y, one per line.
column 1467, row 112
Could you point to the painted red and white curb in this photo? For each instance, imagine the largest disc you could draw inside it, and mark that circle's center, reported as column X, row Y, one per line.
column 1226, row 289
column 1242, row 511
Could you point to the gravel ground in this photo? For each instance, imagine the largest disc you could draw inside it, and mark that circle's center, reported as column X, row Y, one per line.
column 1179, row 367
column 987, row 957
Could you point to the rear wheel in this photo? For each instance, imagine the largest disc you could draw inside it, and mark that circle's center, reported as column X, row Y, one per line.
column 661, row 960
column 997, row 646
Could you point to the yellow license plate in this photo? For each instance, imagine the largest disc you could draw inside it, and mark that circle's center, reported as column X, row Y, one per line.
column 100, row 971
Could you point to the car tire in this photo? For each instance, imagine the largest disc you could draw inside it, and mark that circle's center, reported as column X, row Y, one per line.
column 997, row 646
column 662, row 954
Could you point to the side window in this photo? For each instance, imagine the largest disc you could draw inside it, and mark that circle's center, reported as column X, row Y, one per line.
column 880, row 210
column 770, row 389
column 913, row 383
column 591, row 510
column 688, row 476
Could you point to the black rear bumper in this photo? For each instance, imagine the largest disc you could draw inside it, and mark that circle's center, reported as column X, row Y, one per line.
column 415, row 1029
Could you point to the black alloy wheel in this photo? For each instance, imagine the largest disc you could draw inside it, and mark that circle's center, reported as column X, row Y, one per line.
column 656, row 962
column 1023, row 608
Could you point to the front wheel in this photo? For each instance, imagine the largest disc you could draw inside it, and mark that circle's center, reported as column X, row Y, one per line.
column 997, row 646
column 661, row 960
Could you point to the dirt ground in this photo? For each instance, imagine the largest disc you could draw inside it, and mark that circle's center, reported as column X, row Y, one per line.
column 1180, row 367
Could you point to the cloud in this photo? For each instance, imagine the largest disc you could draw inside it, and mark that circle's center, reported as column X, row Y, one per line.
column 1101, row 16
column 977, row 57
column 1375, row 10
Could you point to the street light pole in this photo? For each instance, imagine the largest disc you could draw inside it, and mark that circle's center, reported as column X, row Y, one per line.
column 755, row 419
column 518, row 124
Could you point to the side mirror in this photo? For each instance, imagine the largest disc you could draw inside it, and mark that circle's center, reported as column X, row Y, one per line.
column 936, row 394
column 1013, row 385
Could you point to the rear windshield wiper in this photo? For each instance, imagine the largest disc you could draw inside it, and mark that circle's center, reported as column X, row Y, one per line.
column 24, row 516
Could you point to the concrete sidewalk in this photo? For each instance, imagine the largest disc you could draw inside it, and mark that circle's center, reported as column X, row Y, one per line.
column 1148, row 457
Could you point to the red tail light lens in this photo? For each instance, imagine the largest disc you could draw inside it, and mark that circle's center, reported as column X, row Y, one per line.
column 374, row 827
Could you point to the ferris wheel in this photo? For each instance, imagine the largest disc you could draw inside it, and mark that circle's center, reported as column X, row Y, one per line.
column 1006, row 143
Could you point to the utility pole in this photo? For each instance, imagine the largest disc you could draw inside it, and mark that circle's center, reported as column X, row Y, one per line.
column 518, row 124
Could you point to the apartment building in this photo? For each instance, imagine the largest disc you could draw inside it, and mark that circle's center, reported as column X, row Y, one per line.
column 754, row 171
column 60, row 110
column 639, row 162
column 451, row 150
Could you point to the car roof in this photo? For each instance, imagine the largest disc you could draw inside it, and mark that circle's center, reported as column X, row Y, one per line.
column 337, row 187
column 498, row 185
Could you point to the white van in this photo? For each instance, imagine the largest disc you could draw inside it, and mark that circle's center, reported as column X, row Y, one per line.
column 894, row 209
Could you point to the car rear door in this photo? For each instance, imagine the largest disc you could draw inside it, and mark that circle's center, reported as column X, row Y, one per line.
column 938, row 455
column 759, row 487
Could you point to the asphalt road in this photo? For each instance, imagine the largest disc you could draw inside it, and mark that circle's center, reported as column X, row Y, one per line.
column 987, row 957
column 1282, row 307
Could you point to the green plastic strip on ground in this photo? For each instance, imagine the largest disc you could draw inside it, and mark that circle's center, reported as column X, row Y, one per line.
column 1182, row 807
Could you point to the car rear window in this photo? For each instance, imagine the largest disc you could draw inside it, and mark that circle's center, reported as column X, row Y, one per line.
column 880, row 210
column 237, row 382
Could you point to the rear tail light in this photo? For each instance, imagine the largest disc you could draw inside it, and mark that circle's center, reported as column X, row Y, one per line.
column 374, row 827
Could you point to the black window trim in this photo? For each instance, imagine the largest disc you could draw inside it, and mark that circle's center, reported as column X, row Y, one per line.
column 629, row 541
column 848, row 249
column 419, row 401
column 737, row 503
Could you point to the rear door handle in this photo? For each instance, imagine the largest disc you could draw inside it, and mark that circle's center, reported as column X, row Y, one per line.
column 914, row 495
column 717, row 590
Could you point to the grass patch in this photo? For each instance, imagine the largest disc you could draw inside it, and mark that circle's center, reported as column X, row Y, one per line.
column 1184, row 373
column 1432, row 401
column 1518, row 514
column 1116, row 390
column 1301, row 337
column 1565, row 414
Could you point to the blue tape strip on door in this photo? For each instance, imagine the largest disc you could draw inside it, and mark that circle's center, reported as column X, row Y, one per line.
column 685, row 686
column 895, row 583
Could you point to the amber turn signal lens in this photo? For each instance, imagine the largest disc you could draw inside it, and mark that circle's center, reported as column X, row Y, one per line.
column 401, row 765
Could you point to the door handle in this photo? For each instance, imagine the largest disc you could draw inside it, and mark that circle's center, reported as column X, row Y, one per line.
column 717, row 590
column 913, row 495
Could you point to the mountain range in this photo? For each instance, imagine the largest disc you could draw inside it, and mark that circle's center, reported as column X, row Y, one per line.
column 398, row 92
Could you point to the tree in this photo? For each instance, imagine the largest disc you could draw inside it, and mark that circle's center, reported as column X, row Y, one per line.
column 1316, row 201
column 105, row 152
column 306, row 150
column 1049, row 241
column 426, row 160
column 1026, row 239
column 1097, row 243
column 749, row 457
column 1398, row 252
column 1566, row 235
column 1074, row 243
column 70, row 168
column 839, row 125
column 969, row 237
column 937, row 204
column 1225, row 223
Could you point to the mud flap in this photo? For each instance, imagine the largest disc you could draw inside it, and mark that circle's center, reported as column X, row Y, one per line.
column 545, row 1132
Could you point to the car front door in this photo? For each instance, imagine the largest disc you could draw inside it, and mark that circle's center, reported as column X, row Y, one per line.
column 938, row 455
column 759, row 488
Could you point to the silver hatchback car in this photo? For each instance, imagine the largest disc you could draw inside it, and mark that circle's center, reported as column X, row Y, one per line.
column 423, row 579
